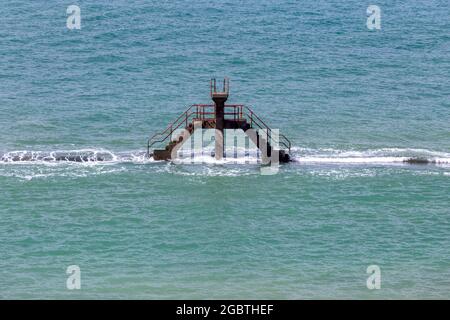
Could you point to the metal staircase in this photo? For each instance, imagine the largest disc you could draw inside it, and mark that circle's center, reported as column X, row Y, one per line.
column 204, row 115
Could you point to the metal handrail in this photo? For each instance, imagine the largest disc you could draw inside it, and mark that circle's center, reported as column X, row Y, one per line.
column 286, row 142
column 283, row 141
column 173, row 122
column 153, row 140
column 226, row 86
column 185, row 117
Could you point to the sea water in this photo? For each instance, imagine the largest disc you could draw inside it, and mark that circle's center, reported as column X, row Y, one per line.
column 356, row 103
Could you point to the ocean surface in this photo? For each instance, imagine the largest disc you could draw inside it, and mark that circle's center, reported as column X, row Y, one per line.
column 356, row 103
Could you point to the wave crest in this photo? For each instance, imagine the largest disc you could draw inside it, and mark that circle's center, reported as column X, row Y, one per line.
column 79, row 156
column 383, row 156
column 376, row 156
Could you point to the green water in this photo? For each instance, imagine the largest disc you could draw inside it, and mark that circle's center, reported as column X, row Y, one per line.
column 355, row 103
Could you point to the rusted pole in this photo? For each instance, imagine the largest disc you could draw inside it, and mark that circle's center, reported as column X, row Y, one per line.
column 219, row 99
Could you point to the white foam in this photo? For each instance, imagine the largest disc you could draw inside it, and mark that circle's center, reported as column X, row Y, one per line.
column 80, row 156
column 96, row 156
column 209, row 160
column 374, row 156
column 352, row 160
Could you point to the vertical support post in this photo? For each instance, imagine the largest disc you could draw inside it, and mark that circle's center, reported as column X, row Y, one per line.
column 220, row 125
column 219, row 99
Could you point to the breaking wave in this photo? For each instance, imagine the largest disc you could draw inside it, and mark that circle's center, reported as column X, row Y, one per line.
column 90, row 156
column 30, row 165
column 103, row 156
column 383, row 156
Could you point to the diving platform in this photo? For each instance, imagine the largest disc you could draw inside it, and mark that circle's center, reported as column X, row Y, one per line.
column 219, row 116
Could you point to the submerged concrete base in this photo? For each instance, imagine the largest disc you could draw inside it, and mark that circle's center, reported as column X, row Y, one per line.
column 161, row 155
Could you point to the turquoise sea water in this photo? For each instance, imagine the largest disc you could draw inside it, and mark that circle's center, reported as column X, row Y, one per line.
column 354, row 102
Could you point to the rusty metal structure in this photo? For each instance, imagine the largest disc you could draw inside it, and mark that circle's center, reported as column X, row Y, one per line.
column 220, row 116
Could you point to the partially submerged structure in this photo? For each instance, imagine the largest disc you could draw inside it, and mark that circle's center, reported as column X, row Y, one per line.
column 220, row 116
